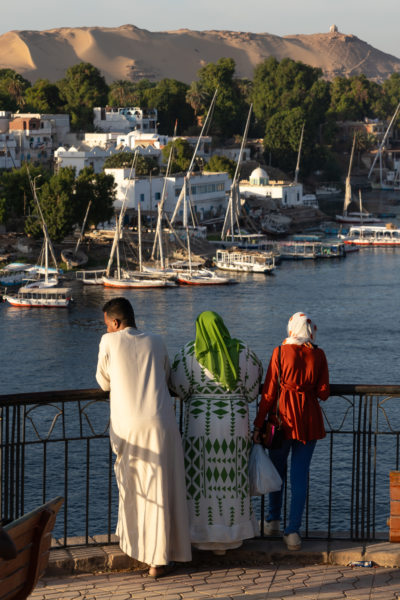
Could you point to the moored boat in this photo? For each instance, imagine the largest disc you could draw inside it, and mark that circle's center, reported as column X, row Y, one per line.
column 91, row 276
column 369, row 235
column 40, row 298
column 250, row 261
column 128, row 281
column 203, row 277
column 299, row 250
column 15, row 273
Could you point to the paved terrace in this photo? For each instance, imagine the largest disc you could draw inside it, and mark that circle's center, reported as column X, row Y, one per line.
column 261, row 569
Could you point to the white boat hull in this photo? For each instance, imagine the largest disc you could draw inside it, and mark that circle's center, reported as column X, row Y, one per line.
column 137, row 283
column 201, row 279
column 243, row 268
column 385, row 237
column 40, row 298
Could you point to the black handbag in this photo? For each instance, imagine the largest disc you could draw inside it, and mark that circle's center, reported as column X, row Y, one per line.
column 272, row 433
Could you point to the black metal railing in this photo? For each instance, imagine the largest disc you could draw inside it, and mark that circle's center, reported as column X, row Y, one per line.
column 56, row 443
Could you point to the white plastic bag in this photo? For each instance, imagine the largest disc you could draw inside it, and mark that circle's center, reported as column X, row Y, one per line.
column 263, row 476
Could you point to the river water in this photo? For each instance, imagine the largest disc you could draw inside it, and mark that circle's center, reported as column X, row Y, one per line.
column 354, row 302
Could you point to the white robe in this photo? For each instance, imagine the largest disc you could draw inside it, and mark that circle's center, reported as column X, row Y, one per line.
column 153, row 523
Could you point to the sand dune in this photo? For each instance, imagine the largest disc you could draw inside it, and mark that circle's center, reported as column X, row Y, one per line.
column 128, row 52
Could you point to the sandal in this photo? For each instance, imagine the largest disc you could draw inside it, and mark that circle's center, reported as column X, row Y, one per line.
column 162, row 571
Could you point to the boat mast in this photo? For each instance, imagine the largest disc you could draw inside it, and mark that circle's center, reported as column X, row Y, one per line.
column 192, row 162
column 347, row 194
column 139, row 226
column 158, row 235
column 118, row 225
column 47, row 241
column 234, row 196
column 185, row 224
column 382, row 144
column 296, row 173
column 83, row 228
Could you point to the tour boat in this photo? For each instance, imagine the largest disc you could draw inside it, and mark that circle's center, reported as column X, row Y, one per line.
column 91, row 276
column 15, row 273
column 369, row 235
column 299, row 250
column 250, row 261
column 40, row 298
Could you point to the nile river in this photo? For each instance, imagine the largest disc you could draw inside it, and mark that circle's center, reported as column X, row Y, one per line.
column 354, row 302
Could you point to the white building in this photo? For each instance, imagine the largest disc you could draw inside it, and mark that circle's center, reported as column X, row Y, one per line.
column 125, row 119
column 36, row 134
column 260, row 186
column 208, row 192
column 82, row 157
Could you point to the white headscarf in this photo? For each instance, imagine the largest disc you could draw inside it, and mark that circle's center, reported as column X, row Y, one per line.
column 301, row 330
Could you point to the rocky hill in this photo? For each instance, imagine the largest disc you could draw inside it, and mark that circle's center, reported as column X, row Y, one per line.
column 128, row 52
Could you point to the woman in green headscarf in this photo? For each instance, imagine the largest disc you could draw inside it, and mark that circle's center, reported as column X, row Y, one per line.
column 217, row 376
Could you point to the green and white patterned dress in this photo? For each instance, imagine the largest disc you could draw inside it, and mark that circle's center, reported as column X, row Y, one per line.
column 216, row 441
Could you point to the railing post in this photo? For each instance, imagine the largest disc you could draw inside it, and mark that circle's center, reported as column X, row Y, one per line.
column 394, row 520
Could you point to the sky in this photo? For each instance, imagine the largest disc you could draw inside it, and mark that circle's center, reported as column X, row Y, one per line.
column 374, row 21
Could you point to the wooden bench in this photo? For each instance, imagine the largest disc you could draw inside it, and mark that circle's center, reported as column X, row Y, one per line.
column 31, row 534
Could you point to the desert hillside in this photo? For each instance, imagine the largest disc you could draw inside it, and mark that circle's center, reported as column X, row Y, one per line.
column 128, row 52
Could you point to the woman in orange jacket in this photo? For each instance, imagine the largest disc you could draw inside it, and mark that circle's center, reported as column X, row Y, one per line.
column 302, row 370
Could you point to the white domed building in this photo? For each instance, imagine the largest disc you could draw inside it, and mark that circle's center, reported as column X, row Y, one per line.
column 259, row 185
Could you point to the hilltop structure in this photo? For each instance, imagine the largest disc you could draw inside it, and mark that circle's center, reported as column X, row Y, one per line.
column 128, row 52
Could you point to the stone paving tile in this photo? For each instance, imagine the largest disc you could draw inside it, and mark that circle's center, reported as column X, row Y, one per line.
column 272, row 582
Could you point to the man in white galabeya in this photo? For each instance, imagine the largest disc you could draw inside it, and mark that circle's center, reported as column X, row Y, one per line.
column 153, row 523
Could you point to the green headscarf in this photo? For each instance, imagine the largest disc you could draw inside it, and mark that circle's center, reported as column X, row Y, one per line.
column 216, row 350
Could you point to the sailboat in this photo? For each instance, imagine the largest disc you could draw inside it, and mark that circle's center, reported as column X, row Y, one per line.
column 354, row 218
column 195, row 276
column 198, row 276
column 235, row 258
column 122, row 278
column 43, row 292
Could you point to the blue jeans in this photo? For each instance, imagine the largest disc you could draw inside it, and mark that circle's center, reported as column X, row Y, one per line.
column 299, row 468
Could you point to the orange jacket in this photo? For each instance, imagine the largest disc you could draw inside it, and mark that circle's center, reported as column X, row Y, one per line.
column 304, row 379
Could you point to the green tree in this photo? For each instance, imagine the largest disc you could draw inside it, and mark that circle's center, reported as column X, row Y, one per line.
column 219, row 164
column 282, row 137
column 43, row 97
column 354, row 98
column 285, row 85
column 12, row 89
column 230, row 106
column 169, row 98
column 182, row 155
column 97, row 188
column 129, row 93
column 146, row 165
column 286, row 95
column 58, row 204
column 81, row 90
column 15, row 188
column 121, row 160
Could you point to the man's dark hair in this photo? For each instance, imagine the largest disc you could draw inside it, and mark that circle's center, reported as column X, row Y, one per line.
column 121, row 309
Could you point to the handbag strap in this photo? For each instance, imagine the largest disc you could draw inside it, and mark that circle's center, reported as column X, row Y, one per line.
column 278, row 391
